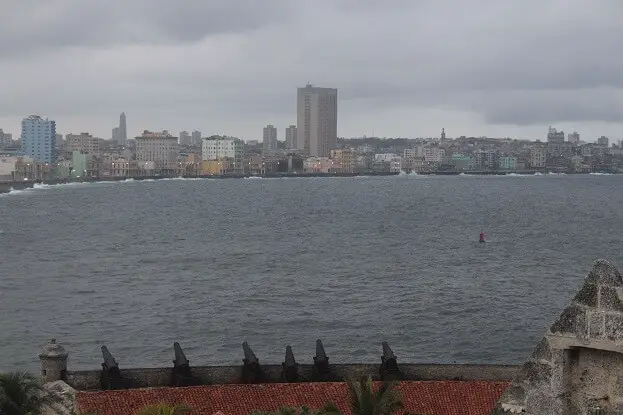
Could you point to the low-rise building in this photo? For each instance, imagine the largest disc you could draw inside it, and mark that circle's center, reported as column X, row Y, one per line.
column 508, row 163
column 319, row 165
column 84, row 165
column 345, row 158
column 220, row 148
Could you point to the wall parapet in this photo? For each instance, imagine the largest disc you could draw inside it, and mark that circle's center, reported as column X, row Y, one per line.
column 219, row 375
column 181, row 373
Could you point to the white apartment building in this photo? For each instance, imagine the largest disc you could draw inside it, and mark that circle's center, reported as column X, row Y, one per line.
column 157, row 147
column 410, row 153
column 83, row 142
column 316, row 121
column 430, row 154
column 224, row 148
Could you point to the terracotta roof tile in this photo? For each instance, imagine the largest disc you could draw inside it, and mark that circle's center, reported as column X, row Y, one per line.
column 432, row 398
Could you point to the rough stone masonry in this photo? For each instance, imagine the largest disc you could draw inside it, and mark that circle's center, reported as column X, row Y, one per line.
column 577, row 368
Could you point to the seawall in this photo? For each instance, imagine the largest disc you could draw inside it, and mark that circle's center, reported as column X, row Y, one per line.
column 219, row 375
column 7, row 186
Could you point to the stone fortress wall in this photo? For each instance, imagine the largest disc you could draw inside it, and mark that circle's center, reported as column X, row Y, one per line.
column 180, row 373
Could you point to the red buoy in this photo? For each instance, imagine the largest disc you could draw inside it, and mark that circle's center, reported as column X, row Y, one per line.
column 482, row 237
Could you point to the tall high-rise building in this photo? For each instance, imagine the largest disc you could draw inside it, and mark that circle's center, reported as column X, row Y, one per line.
column 123, row 130
column 195, row 138
column 184, row 138
column 291, row 137
column 115, row 135
column 270, row 138
column 316, row 120
column 39, row 138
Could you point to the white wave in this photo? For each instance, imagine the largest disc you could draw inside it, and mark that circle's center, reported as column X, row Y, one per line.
column 600, row 174
column 538, row 174
column 254, row 177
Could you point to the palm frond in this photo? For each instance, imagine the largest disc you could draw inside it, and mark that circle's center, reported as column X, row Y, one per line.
column 165, row 409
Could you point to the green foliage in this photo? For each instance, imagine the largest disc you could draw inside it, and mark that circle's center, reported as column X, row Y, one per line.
column 22, row 394
column 329, row 409
column 164, row 409
column 366, row 401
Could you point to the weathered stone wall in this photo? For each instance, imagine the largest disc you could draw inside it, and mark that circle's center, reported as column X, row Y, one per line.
column 90, row 380
column 577, row 368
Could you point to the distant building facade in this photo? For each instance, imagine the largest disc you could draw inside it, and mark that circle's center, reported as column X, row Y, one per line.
column 39, row 138
column 317, row 120
column 538, row 156
column 83, row 142
column 269, row 142
column 195, row 138
column 224, row 148
column 6, row 139
column 573, row 137
column 123, row 130
column 602, row 141
column 185, row 138
column 157, row 149
column 291, row 142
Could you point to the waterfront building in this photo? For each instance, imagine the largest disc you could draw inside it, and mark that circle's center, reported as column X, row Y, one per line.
column 84, row 165
column 486, row 159
column 508, row 163
column 462, row 162
column 39, row 138
column 83, row 142
column 538, row 156
column 345, row 158
column 602, row 141
column 320, row 165
column 159, row 148
column 556, row 145
column 317, row 120
column 431, row 154
column 220, row 148
column 269, row 142
column 394, row 161
column 291, row 138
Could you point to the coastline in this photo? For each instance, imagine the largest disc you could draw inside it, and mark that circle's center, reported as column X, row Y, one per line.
column 7, row 187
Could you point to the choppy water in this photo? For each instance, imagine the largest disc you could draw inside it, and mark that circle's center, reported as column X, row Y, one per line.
column 353, row 261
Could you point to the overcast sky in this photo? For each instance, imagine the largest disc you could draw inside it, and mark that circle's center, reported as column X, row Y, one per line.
column 402, row 67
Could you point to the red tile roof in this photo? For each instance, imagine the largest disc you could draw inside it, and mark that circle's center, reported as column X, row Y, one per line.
column 432, row 398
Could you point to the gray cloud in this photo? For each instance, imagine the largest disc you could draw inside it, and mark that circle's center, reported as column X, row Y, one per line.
column 67, row 23
column 235, row 65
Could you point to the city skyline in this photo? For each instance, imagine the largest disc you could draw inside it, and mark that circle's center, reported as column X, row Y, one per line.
column 480, row 72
